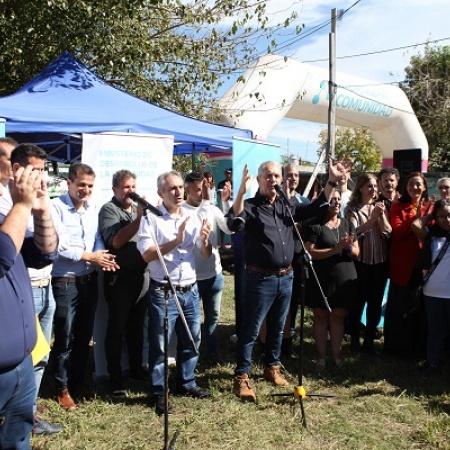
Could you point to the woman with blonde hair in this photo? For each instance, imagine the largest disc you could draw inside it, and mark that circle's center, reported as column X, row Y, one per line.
column 443, row 185
column 371, row 222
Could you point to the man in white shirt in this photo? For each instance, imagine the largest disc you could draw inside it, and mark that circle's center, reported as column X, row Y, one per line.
column 176, row 236
column 209, row 271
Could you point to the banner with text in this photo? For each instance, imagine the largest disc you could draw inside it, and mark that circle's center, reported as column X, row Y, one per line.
column 147, row 156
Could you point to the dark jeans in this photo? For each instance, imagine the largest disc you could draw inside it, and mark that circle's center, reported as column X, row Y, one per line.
column 266, row 296
column 126, row 296
column 73, row 326
column 372, row 279
column 438, row 317
column 17, row 394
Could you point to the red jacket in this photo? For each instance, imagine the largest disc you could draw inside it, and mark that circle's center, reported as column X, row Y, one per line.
column 405, row 246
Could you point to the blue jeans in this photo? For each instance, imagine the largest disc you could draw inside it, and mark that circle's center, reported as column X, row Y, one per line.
column 44, row 304
column 265, row 297
column 210, row 292
column 438, row 319
column 17, row 394
column 186, row 356
column 73, row 327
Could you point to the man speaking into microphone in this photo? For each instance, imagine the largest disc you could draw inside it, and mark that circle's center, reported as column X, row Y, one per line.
column 268, row 253
column 126, row 289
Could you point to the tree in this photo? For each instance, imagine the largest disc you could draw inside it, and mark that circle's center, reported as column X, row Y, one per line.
column 427, row 85
column 174, row 53
column 357, row 144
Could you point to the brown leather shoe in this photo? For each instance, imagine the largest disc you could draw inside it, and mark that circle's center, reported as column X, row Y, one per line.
column 65, row 400
column 274, row 375
column 242, row 389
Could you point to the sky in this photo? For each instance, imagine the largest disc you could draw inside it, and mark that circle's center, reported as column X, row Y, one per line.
column 370, row 26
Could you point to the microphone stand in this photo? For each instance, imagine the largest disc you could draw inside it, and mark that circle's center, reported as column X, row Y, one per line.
column 168, row 445
column 299, row 392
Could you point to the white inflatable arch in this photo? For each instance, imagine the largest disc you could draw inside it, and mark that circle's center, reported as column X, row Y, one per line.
column 276, row 87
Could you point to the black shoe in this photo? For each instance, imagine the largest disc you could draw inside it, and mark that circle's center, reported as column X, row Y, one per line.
column 355, row 345
column 196, row 392
column 369, row 347
column 138, row 374
column 44, row 428
column 118, row 391
column 82, row 391
column 160, row 405
column 214, row 360
column 426, row 371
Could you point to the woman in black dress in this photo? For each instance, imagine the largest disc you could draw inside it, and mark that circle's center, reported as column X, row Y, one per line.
column 332, row 247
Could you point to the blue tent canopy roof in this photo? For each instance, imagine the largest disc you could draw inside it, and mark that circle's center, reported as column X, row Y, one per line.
column 67, row 99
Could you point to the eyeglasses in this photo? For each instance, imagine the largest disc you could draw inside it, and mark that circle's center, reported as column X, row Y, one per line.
column 446, row 217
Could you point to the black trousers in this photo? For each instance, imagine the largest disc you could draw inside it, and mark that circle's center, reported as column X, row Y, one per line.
column 405, row 327
column 372, row 280
column 126, row 297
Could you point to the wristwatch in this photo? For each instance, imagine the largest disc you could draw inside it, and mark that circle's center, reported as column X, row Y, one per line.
column 332, row 183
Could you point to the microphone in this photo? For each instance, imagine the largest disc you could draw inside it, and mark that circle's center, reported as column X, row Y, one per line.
column 144, row 203
column 282, row 194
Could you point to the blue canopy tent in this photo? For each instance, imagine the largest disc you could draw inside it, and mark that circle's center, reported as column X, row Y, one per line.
column 67, row 99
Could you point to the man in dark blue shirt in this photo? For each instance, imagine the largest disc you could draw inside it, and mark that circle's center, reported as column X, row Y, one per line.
column 268, row 255
column 17, row 318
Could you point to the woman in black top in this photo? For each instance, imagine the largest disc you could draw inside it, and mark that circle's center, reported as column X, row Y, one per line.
column 332, row 246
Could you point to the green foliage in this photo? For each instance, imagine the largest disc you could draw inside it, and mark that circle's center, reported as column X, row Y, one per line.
column 427, row 85
column 174, row 53
column 358, row 144
column 198, row 163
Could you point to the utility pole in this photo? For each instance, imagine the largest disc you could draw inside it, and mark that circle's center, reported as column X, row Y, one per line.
column 329, row 150
column 331, row 137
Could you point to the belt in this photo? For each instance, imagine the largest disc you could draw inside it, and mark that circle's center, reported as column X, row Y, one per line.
column 159, row 285
column 84, row 279
column 276, row 272
column 42, row 283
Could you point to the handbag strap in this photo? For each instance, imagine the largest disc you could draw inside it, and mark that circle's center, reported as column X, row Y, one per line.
column 436, row 261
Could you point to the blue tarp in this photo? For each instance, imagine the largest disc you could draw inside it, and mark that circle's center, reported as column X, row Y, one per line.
column 67, row 99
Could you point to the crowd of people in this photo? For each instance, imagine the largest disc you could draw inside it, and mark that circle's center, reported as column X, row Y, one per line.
column 158, row 269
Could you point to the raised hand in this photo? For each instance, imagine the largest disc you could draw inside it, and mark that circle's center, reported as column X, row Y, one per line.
column 182, row 231
column 340, row 169
column 205, row 231
column 246, row 181
column 379, row 209
column 42, row 201
column 25, row 185
column 225, row 195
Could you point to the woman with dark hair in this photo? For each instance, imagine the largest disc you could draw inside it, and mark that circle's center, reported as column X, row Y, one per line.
column 211, row 187
column 403, row 331
column 437, row 289
column 332, row 247
column 371, row 221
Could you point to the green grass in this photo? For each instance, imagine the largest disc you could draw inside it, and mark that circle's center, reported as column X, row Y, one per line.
column 378, row 403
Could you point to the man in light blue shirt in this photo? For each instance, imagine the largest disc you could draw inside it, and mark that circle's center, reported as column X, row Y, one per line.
column 74, row 282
